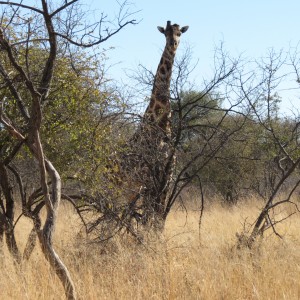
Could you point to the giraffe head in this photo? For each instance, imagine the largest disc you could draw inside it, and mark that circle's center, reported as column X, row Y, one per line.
column 172, row 34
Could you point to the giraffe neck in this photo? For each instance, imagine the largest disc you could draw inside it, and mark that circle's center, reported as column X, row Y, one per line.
column 159, row 108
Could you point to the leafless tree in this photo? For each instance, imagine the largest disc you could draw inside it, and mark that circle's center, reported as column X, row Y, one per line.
column 261, row 91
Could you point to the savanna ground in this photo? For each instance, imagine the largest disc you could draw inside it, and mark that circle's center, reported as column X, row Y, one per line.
column 185, row 265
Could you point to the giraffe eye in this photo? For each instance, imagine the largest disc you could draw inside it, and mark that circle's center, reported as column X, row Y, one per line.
column 178, row 34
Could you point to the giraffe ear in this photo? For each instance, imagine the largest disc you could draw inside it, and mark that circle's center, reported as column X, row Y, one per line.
column 184, row 29
column 161, row 29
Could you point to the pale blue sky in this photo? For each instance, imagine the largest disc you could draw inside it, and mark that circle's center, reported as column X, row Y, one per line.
column 245, row 26
column 248, row 27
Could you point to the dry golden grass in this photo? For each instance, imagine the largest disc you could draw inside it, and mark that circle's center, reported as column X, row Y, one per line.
column 183, row 266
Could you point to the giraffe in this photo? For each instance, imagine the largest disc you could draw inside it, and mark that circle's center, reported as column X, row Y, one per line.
column 145, row 167
column 156, row 126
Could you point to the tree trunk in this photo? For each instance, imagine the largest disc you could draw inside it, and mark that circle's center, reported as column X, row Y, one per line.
column 52, row 204
column 8, row 215
column 1, row 232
